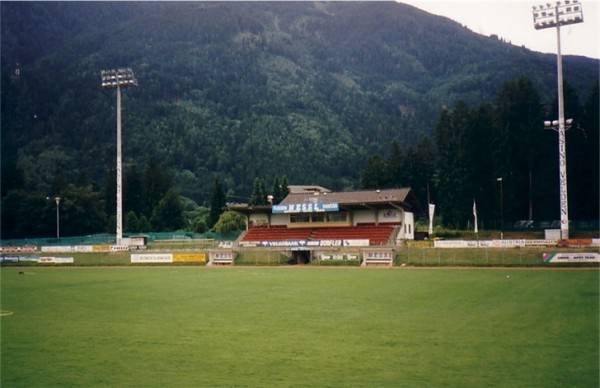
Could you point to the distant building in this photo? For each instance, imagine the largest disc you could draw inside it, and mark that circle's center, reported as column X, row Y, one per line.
column 313, row 216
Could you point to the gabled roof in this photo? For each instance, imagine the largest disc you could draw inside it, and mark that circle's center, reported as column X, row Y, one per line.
column 403, row 197
column 296, row 189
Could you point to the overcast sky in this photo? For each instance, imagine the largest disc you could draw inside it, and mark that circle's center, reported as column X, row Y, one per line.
column 513, row 21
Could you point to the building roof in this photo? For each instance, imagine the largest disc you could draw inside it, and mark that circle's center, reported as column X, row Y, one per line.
column 403, row 197
column 297, row 189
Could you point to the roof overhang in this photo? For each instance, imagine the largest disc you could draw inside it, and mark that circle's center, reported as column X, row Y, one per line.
column 401, row 199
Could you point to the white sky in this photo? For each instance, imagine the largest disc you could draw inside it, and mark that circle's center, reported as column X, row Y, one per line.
column 513, row 21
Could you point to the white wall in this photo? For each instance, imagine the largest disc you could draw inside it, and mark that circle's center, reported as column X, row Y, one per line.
column 279, row 219
column 363, row 216
column 409, row 226
column 390, row 215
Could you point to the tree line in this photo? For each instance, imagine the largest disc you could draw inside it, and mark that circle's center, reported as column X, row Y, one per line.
column 478, row 154
column 471, row 150
column 151, row 203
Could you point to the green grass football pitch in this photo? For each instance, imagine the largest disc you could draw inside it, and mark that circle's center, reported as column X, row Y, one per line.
column 319, row 327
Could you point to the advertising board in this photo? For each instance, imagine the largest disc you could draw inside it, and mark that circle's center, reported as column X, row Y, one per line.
column 151, row 257
column 56, row 260
column 575, row 257
column 334, row 256
column 58, row 249
column 317, row 207
column 189, row 257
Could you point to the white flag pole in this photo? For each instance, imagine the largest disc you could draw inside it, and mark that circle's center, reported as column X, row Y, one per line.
column 431, row 211
column 475, row 215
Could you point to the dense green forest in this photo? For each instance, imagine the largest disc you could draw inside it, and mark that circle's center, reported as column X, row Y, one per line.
column 319, row 93
column 474, row 147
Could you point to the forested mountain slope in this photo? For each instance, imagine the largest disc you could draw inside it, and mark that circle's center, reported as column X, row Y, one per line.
column 241, row 90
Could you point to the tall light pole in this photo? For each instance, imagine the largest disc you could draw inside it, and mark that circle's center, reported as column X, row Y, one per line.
column 117, row 79
column 501, row 209
column 549, row 16
column 57, row 200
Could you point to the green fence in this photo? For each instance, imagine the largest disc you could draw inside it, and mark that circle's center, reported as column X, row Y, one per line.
column 479, row 256
column 105, row 238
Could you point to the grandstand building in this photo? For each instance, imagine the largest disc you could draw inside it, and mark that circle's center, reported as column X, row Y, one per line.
column 313, row 217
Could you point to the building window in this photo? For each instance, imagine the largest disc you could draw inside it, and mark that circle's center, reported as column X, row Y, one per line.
column 318, row 217
column 337, row 217
column 300, row 217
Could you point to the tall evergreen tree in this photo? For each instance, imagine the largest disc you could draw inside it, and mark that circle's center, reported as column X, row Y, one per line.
column 258, row 193
column 420, row 170
column 395, row 167
column 583, row 161
column 455, row 196
column 217, row 202
column 373, row 177
column 133, row 191
column 285, row 187
column 518, row 126
column 156, row 183
column 168, row 214
column 131, row 222
column 82, row 211
column 276, row 191
column 482, row 174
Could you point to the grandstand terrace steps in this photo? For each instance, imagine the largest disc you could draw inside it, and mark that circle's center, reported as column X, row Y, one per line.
column 276, row 234
column 376, row 234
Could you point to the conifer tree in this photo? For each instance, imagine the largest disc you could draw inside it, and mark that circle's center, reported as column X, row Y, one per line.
column 218, row 200
column 258, row 193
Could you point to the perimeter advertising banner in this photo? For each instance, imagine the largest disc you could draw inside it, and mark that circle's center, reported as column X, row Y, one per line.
column 168, row 258
column 189, row 258
column 56, row 260
column 306, row 243
column 58, row 248
column 151, row 257
column 578, row 257
column 27, row 248
column 100, row 248
column 492, row 243
column 342, row 256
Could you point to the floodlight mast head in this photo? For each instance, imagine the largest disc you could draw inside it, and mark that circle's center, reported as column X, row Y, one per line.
column 118, row 78
column 559, row 14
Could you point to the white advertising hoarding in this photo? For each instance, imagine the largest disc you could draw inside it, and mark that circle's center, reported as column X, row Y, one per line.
column 575, row 257
column 151, row 257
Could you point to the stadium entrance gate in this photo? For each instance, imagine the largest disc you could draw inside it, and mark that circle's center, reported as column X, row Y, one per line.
column 301, row 256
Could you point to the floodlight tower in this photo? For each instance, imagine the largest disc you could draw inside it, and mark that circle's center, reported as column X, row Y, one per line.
column 117, row 79
column 548, row 16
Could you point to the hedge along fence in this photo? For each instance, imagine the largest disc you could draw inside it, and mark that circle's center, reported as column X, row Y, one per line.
column 479, row 256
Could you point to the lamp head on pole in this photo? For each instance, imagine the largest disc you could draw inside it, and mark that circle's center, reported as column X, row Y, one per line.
column 556, row 15
column 118, row 78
